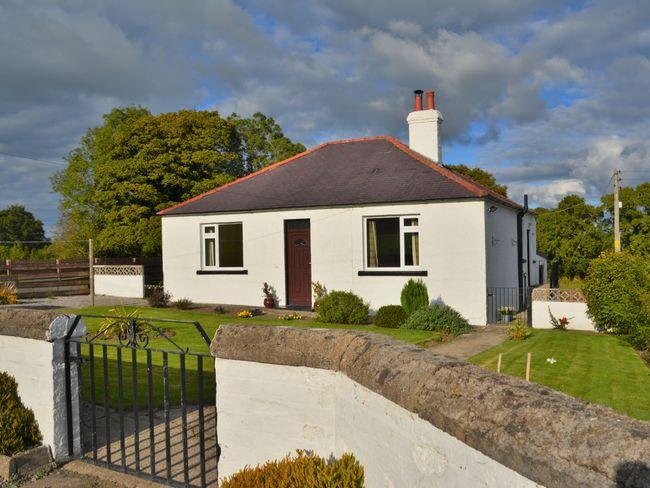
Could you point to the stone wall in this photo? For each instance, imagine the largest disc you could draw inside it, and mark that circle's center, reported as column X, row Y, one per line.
column 32, row 351
column 412, row 417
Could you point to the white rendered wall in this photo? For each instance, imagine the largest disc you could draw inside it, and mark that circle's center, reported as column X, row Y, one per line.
column 130, row 286
column 452, row 250
column 30, row 361
column 501, row 245
column 576, row 312
column 267, row 411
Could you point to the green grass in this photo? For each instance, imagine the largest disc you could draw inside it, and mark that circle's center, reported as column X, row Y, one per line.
column 596, row 368
column 188, row 338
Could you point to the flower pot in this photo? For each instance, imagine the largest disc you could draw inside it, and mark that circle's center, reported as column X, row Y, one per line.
column 269, row 302
column 506, row 318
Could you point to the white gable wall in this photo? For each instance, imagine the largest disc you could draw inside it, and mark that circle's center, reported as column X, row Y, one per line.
column 452, row 250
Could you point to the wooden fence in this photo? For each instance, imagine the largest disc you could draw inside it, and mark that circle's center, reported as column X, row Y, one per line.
column 48, row 277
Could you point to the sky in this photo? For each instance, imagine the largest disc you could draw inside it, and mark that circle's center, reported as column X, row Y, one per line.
column 550, row 96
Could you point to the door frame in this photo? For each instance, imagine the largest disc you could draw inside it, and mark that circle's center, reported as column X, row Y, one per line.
column 288, row 305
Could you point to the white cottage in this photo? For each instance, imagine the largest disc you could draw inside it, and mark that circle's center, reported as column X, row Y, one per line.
column 359, row 214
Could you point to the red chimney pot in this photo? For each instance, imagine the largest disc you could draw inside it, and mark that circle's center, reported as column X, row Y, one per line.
column 431, row 104
column 418, row 100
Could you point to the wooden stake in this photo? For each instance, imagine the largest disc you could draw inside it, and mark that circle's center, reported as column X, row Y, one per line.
column 499, row 363
column 528, row 367
column 91, row 272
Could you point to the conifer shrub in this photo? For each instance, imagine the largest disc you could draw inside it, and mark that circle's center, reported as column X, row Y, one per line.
column 414, row 296
column 303, row 470
column 439, row 318
column 18, row 427
column 342, row 307
column 390, row 316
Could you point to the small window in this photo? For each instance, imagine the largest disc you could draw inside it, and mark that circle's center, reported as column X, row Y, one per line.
column 223, row 246
column 392, row 242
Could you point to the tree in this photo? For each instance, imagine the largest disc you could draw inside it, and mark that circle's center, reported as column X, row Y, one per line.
column 480, row 176
column 571, row 235
column 17, row 224
column 263, row 141
column 136, row 164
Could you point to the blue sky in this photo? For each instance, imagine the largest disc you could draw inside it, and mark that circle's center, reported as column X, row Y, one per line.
column 549, row 95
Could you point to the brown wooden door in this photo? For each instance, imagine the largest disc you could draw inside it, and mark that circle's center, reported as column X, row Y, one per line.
column 298, row 263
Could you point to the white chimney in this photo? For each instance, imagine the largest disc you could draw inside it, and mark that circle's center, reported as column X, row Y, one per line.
column 424, row 127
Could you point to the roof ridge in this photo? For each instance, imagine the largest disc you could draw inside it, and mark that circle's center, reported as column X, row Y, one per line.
column 478, row 189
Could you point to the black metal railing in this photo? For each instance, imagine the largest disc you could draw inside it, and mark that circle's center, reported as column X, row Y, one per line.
column 144, row 410
column 505, row 304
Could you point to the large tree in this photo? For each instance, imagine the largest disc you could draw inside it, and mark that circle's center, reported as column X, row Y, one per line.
column 634, row 218
column 136, row 164
column 571, row 235
column 17, row 224
column 480, row 176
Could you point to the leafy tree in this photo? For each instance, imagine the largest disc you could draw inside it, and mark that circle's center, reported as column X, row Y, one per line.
column 17, row 224
column 136, row 164
column 480, row 176
column 263, row 141
column 634, row 218
column 571, row 235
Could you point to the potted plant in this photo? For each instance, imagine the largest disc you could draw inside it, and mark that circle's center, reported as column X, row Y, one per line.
column 269, row 295
column 507, row 313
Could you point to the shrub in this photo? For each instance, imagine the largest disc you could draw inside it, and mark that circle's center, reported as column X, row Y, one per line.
column 640, row 338
column 319, row 291
column 8, row 293
column 290, row 316
column 390, row 316
column 245, row 314
column 558, row 324
column 342, row 307
column 18, row 427
column 183, row 303
column 617, row 291
column 414, row 296
column 518, row 331
column 440, row 318
column 305, row 469
column 159, row 298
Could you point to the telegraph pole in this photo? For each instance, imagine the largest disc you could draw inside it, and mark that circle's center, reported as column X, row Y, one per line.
column 91, row 272
column 617, row 204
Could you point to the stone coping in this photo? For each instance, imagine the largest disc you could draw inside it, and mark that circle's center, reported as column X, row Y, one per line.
column 549, row 437
column 37, row 324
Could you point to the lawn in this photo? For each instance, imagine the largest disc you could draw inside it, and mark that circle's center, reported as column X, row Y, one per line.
column 596, row 368
column 186, row 336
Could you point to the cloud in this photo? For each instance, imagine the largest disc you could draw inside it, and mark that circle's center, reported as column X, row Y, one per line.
column 549, row 98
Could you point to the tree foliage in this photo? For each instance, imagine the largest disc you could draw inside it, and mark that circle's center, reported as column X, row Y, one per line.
column 571, row 235
column 617, row 289
column 136, row 163
column 575, row 232
column 480, row 176
column 18, row 224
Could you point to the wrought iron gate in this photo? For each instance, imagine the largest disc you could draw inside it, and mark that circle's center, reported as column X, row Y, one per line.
column 144, row 410
column 517, row 301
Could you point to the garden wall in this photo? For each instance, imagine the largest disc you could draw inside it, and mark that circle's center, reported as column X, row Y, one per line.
column 411, row 417
column 119, row 280
column 562, row 303
column 31, row 350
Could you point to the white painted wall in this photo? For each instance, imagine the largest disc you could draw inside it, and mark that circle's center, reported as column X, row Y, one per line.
column 576, row 312
column 501, row 245
column 452, row 250
column 424, row 133
column 267, row 411
column 38, row 368
column 131, row 286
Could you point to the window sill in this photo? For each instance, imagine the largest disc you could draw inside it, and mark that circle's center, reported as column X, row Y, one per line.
column 395, row 273
column 222, row 272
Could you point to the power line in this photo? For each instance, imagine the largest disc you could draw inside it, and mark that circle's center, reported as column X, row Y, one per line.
column 44, row 161
column 553, row 212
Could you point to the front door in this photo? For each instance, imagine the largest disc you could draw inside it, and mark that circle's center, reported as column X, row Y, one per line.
column 298, row 263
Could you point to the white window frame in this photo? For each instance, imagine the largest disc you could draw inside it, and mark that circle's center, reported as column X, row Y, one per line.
column 215, row 236
column 402, row 230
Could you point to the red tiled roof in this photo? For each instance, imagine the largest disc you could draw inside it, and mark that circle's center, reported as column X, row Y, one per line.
column 369, row 170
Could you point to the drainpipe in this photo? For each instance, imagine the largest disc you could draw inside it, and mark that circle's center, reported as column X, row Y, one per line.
column 520, row 251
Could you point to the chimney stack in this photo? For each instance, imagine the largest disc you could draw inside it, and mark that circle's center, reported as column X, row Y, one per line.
column 424, row 127
column 417, row 106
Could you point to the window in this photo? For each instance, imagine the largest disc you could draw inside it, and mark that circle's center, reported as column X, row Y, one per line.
column 222, row 246
column 392, row 242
